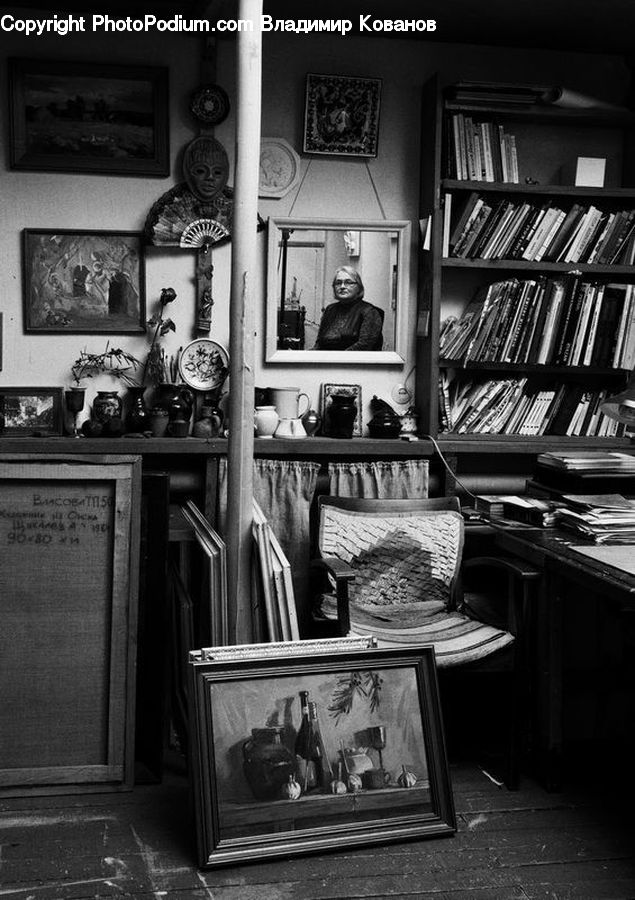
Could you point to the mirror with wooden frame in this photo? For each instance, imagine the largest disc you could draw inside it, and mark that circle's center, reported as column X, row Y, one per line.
column 304, row 258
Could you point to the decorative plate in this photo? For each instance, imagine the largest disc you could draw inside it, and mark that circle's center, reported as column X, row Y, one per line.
column 203, row 364
column 279, row 167
column 210, row 104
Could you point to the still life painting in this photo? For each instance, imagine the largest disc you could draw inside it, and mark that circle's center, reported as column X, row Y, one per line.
column 79, row 282
column 313, row 756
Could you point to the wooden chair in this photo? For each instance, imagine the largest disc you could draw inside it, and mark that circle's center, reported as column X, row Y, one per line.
column 395, row 570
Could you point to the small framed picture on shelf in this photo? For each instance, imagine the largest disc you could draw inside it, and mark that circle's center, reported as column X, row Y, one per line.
column 27, row 411
column 341, row 115
column 88, row 117
column 83, row 282
column 341, row 410
column 319, row 749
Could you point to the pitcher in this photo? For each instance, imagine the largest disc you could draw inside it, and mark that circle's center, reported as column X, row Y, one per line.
column 287, row 402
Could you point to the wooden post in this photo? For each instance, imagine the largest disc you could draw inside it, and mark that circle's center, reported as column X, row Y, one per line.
column 243, row 303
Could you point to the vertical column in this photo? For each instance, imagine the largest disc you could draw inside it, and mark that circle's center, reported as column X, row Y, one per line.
column 242, row 323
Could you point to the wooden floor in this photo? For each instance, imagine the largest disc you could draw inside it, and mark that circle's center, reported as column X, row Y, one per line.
column 510, row 846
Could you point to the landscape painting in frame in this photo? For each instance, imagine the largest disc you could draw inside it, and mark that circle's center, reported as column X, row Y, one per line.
column 78, row 282
column 78, row 116
column 341, row 115
column 26, row 411
column 379, row 772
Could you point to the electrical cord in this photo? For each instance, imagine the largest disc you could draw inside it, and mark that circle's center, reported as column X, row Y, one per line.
column 447, row 466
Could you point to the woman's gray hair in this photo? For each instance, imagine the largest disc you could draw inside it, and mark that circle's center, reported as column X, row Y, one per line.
column 353, row 275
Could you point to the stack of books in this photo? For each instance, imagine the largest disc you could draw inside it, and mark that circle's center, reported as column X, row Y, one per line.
column 546, row 321
column 515, row 509
column 499, row 92
column 491, row 227
column 598, row 462
column 602, row 518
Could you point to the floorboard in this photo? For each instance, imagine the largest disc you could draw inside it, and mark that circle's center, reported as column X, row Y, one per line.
column 525, row 845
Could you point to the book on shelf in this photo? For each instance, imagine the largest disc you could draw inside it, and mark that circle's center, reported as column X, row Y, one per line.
column 505, row 228
column 546, row 321
column 518, row 406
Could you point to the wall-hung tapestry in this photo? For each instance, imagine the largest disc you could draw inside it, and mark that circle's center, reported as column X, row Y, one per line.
column 79, row 116
column 78, row 282
column 341, row 115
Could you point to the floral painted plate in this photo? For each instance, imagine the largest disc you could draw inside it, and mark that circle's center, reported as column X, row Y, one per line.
column 203, row 364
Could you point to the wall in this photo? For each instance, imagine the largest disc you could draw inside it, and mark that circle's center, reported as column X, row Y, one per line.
column 385, row 187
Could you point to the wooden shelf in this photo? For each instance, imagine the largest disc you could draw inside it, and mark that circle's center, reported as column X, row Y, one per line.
column 523, row 265
column 548, row 113
column 531, row 369
column 539, row 190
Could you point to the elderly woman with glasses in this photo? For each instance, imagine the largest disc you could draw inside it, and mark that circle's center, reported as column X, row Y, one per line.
column 350, row 323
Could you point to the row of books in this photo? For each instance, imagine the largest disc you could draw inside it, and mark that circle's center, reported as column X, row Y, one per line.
column 515, row 406
column 500, row 228
column 481, row 151
column 546, row 321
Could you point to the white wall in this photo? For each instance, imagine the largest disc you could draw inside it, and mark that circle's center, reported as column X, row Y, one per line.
column 387, row 186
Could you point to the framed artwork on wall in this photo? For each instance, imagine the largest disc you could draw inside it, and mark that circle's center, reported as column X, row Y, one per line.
column 87, row 117
column 83, row 282
column 26, row 411
column 341, row 115
column 260, row 791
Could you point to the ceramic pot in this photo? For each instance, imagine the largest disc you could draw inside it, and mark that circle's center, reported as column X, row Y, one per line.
column 290, row 428
column 158, row 421
column 176, row 399
column 342, row 413
column 106, row 405
column 266, row 421
column 137, row 418
column 210, row 423
column 384, row 425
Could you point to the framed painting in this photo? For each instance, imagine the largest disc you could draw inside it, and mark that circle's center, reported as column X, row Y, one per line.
column 316, row 750
column 26, row 411
column 83, row 282
column 346, row 390
column 87, row 117
column 341, row 115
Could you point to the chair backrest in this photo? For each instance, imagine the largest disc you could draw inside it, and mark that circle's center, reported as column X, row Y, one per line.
column 405, row 553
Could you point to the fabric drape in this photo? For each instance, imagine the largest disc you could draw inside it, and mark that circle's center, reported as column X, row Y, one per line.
column 384, row 480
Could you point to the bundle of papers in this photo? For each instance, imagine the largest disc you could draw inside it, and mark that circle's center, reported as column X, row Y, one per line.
column 603, row 518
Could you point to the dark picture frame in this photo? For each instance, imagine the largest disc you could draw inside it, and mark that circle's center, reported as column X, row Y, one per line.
column 83, row 282
column 350, row 390
column 87, row 117
column 26, row 411
column 341, row 115
column 246, row 714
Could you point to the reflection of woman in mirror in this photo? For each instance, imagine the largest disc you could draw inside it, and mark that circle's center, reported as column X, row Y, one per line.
column 350, row 323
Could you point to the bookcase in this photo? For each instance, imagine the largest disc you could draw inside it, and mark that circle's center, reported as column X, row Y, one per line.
column 529, row 337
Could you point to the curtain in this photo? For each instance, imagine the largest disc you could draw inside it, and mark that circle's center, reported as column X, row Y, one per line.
column 386, row 480
column 284, row 490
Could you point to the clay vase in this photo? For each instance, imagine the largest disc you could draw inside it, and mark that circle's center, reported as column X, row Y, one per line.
column 341, row 416
column 106, row 405
column 266, row 421
column 176, row 399
column 137, row 417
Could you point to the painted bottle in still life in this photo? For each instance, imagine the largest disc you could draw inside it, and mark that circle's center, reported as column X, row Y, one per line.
column 314, row 767
column 267, row 763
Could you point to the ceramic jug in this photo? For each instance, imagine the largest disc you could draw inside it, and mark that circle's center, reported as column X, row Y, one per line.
column 290, row 428
column 287, row 402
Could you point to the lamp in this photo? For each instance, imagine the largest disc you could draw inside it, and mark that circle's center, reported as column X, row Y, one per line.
column 621, row 407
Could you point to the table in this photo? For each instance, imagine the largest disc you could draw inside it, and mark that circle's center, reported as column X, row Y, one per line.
column 570, row 578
